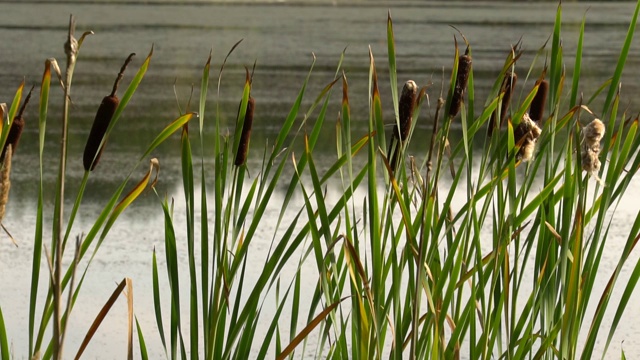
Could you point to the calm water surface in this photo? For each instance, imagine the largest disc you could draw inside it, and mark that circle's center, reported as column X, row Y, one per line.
column 281, row 37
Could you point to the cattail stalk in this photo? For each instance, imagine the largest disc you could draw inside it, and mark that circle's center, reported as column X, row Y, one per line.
column 243, row 147
column 92, row 150
column 407, row 104
column 464, row 68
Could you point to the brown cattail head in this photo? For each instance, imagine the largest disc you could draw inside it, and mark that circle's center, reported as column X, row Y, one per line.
column 508, row 83
column 101, row 123
column 536, row 111
column 243, row 147
column 407, row 104
column 98, row 129
column 526, row 135
column 592, row 133
column 464, row 67
column 13, row 138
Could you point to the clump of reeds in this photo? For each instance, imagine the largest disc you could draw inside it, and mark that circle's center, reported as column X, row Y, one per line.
column 406, row 106
column 508, row 84
column 101, row 122
column 592, row 134
column 13, row 138
column 526, row 135
column 464, row 68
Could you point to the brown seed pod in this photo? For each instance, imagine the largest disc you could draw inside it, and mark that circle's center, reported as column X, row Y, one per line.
column 508, row 83
column 13, row 138
column 245, row 137
column 407, row 105
column 464, row 67
column 101, row 123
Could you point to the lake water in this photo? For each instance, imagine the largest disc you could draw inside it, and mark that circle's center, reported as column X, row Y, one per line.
column 281, row 37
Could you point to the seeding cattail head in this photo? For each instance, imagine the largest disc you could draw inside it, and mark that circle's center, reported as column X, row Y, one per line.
column 243, row 147
column 536, row 111
column 526, row 135
column 508, row 84
column 592, row 133
column 406, row 104
column 13, row 138
column 464, row 67
column 107, row 108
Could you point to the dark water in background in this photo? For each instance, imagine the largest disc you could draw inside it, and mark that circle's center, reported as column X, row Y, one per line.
column 281, row 37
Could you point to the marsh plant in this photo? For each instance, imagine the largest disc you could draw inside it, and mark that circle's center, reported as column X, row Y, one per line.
column 401, row 271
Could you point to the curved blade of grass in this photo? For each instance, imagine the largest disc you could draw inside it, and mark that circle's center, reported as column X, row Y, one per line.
column 156, row 301
column 143, row 346
column 4, row 344
column 126, row 282
column 308, row 329
column 176, row 125
column 393, row 77
column 37, row 246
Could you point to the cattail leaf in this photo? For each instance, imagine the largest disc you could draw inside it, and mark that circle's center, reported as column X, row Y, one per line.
column 4, row 344
column 156, row 300
column 174, row 126
column 204, row 87
column 5, row 125
column 103, row 313
column 376, row 104
column 143, row 346
column 154, row 165
column 393, row 77
column 308, row 329
column 131, row 89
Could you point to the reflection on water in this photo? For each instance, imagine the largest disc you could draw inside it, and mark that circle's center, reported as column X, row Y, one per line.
column 282, row 39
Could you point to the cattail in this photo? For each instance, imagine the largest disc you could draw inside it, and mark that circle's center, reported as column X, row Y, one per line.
column 243, row 147
column 464, row 67
column 508, row 83
column 536, row 111
column 592, row 133
column 407, row 104
column 101, row 122
column 13, row 138
column 526, row 135
column 5, row 181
